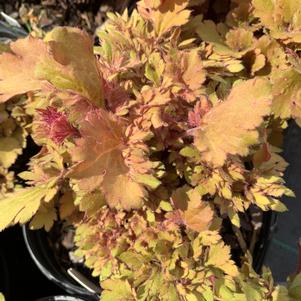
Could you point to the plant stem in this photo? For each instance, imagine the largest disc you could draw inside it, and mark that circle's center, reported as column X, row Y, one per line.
column 240, row 238
column 253, row 240
column 256, row 221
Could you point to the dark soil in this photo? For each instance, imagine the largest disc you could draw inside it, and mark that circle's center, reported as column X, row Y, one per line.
column 46, row 14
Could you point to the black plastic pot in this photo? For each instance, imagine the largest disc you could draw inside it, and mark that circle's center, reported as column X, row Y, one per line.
column 42, row 254
column 62, row 298
column 17, row 270
column 4, row 275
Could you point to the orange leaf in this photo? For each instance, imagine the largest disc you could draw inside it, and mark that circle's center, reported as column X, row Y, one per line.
column 102, row 164
column 195, row 213
column 17, row 68
column 65, row 59
column 164, row 14
column 230, row 127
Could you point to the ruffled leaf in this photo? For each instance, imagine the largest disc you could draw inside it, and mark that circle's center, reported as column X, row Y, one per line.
column 17, row 68
column 71, row 63
column 230, row 127
column 193, row 212
column 117, row 290
column 65, row 59
column 102, row 164
column 19, row 207
column 164, row 15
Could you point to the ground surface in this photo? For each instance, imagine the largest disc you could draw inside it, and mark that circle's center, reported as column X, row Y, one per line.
column 45, row 14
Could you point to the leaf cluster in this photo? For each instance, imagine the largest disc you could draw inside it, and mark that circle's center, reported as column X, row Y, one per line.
column 155, row 139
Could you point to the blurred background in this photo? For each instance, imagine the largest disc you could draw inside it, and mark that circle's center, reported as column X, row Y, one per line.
column 282, row 256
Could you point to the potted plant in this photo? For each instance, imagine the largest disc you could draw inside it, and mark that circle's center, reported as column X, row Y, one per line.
column 161, row 146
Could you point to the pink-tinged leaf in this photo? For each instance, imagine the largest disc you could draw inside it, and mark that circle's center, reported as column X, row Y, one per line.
column 200, row 109
column 101, row 163
column 54, row 125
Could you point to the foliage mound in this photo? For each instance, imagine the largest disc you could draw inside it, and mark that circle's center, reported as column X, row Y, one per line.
column 158, row 144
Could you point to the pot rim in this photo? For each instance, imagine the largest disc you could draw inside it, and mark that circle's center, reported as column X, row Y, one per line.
column 63, row 280
column 61, row 298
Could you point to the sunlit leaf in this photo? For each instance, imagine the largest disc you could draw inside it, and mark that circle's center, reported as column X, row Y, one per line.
column 230, row 127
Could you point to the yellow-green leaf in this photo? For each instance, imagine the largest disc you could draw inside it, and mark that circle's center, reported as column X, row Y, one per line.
column 9, row 150
column 219, row 257
column 71, row 63
column 19, row 207
column 116, row 290
column 294, row 287
column 44, row 218
column 147, row 180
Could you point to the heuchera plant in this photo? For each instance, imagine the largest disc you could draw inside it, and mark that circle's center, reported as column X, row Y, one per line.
column 154, row 140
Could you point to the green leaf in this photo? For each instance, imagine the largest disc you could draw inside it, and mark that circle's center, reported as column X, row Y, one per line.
column 147, row 180
column 132, row 259
column 189, row 152
column 192, row 297
column 278, row 206
column 151, row 74
column 172, row 294
column 20, row 206
column 106, row 271
column 166, row 206
column 150, row 216
column 44, row 218
column 9, row 150
column 286, row 91
column 208, row 295
column 219, row 257
column 236, row 67
column 90, row 202
column 116, row 290
column 280, row 17
column 154, row 68
column 208, row 32
column 151, row 288
column 294, row 288
column 234, row 217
